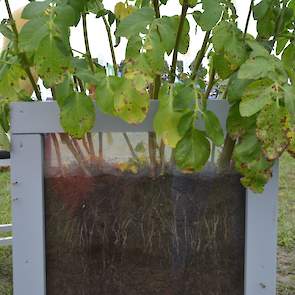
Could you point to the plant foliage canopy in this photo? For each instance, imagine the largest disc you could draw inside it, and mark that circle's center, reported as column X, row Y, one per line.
column 255, row 74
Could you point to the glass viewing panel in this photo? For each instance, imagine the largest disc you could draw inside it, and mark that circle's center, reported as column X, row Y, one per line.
column 118, row 225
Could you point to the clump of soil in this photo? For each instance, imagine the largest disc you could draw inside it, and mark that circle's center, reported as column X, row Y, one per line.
column 124, row 234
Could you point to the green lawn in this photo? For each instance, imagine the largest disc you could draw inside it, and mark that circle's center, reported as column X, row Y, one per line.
column 286, row 236
column 5, row 252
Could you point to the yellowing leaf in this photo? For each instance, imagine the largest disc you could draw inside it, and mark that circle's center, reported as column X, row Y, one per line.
column 166, row 120
column 122, row 10
column 256, row 96
column 130, row 103
column 77, row 115
column 273, row 130
column 251, row 162
column 51, row 62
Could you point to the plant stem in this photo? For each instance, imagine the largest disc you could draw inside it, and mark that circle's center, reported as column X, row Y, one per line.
column 91, row 145
column 172, row 75
column 67, row 140
column 100, row 151
column 162, row 156
column 77, row 146
column 248, row 18
column 279, row 24
column 225, row 158
column 58, row 153
column 23, row 57
column 153, row 153
column 200, row 56
column 157, row 81
column 116, row 70
column 85, row 144
column 86, row 41
column 209, row 88
column 224, row 162
column 154, row 94
column 177, row 42
column 130, row 146
column 91, row 64
column 108, row 29
column 157, row 8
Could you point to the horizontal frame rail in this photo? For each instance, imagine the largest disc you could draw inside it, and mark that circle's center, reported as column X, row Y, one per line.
column 6, row 241
column 4, row 228
column 43, row 117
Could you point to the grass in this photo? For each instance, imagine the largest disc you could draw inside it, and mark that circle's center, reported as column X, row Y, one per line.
column 5, row 252
column 286, row 231
column 286, row 228
column 286, row 236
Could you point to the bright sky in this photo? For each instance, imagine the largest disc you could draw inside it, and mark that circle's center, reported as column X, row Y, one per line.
column 98, row 37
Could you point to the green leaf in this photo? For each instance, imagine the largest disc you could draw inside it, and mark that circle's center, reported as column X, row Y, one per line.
column 256, row 96
column 211, row 15
column 257, row 67
column 134, row 46
column 223, row 66
column 105, row 93
column 291, row 147
column 51, row 63
column 266, row 26
column 213, row 128
column 193, row 151
column 184, row 96
column 273, row 130
column 288, row 56
column 236, row 88
column 32, row 33
column 281, row 43
column 5, row 115
column 186, row 122
column 228, row 42
column 237, row 125
column 261, row 8
column 35, row 9
column 162, row 35
column 77, row 115
column 79, row 7
column 168, row 131
column 251, row 163
column 140, row 148
column 6, row 32
column 290, row 98
column 136, row 23
column 14, row 83
column 64, row 90
column 191, row 3
column 65, row 16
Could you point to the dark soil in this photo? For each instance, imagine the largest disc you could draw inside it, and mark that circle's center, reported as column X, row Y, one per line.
column 133, row 235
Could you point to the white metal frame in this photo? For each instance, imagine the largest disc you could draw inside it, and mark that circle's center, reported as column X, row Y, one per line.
column 5, row 228
column 31, row 120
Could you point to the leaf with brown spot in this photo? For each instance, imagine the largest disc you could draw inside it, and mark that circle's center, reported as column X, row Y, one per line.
column 273, row 130
column 51, row 62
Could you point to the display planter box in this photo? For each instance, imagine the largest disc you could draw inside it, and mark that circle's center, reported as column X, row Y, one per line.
column 101, row 233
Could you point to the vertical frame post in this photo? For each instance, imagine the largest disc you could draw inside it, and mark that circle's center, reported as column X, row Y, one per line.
column 261, row 239
column 28, row 215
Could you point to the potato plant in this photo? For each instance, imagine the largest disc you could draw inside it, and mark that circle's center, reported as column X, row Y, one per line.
column 255, row 74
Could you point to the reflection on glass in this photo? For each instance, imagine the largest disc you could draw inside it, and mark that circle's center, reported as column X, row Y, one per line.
column 117, row 224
